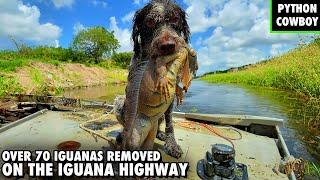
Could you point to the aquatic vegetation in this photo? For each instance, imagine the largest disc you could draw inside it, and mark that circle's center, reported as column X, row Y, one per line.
column 194, row 110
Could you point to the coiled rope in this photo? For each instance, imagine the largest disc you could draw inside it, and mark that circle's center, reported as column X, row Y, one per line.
column 214, row 130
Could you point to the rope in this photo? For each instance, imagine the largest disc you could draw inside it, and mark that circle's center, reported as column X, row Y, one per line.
column 212, row 129
column 184, row 124
column 94, row 133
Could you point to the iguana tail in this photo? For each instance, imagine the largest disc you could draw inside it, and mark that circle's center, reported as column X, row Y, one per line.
column 132, row 96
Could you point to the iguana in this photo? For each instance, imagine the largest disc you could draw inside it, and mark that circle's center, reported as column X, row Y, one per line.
column 152, row 86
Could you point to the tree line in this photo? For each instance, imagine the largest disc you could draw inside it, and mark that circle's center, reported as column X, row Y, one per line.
column 92, row 45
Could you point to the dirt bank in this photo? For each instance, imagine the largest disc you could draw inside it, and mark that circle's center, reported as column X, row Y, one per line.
column 42, row 78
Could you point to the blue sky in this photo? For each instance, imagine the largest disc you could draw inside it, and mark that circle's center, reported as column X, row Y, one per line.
column 225, row 33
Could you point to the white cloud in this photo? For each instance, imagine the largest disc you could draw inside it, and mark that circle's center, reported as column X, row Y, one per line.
column 215, row 53
column 240, row 33
column 139, row 2
column 278, row 49
column 128, row 17
column 22, row 22
column 202, row 14
column 123, row 35
column 62, row 3
column 136, row 1
column 77, row 27
column 100, row 3
column 242, row 16
column 57, row 43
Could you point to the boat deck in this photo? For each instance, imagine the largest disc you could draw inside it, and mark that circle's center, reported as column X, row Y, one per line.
column 46, row 131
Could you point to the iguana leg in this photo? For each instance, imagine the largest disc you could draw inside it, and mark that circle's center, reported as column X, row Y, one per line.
column 171, row 147
column 160, row 134
column 151, row 135
column 179, row 95
column 143, row 133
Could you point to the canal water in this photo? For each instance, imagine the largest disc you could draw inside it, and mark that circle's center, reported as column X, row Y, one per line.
column 232, row 99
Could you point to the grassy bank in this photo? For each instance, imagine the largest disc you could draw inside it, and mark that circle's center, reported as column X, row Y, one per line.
column 90, row 60
column 48, row 76
column 297, row 70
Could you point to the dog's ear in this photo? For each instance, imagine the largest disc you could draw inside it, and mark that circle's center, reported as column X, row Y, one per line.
column 136, row 32
column 137, row 29
column 184, row 29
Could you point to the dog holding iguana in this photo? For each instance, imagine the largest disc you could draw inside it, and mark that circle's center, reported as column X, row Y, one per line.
column 162, row 61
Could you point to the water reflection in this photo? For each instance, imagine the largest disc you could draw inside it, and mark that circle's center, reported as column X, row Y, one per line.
column 99, row 93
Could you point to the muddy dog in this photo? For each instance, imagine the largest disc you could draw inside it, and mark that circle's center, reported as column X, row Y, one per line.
column 162, row 59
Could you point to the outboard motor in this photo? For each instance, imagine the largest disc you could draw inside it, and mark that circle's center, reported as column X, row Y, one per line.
column 220, row 165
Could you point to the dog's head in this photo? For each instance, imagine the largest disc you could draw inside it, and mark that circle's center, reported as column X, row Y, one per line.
column 161, row 24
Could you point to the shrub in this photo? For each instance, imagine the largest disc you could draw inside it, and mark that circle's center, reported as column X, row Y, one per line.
column 122, row 59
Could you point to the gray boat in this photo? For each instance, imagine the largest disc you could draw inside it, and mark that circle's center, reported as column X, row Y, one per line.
column 257, row 141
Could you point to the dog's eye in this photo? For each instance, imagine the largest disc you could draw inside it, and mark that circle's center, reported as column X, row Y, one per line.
column 150, row 23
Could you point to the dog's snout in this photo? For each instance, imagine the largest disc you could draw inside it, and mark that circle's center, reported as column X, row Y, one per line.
column 167, row 47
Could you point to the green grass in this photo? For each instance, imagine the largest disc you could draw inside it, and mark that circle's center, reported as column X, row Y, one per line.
column 36, row 76
column 117, row 75
column 313, row 169
column 11, row 65
column 41, row 87
column 11, row 60
column 8, row 85
column 297, row 70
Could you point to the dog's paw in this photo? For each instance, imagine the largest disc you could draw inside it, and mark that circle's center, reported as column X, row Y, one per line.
column 161, row 135
column 172, row 148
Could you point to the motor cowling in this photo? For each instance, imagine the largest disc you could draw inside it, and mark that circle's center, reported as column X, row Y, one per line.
column 220, row 164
